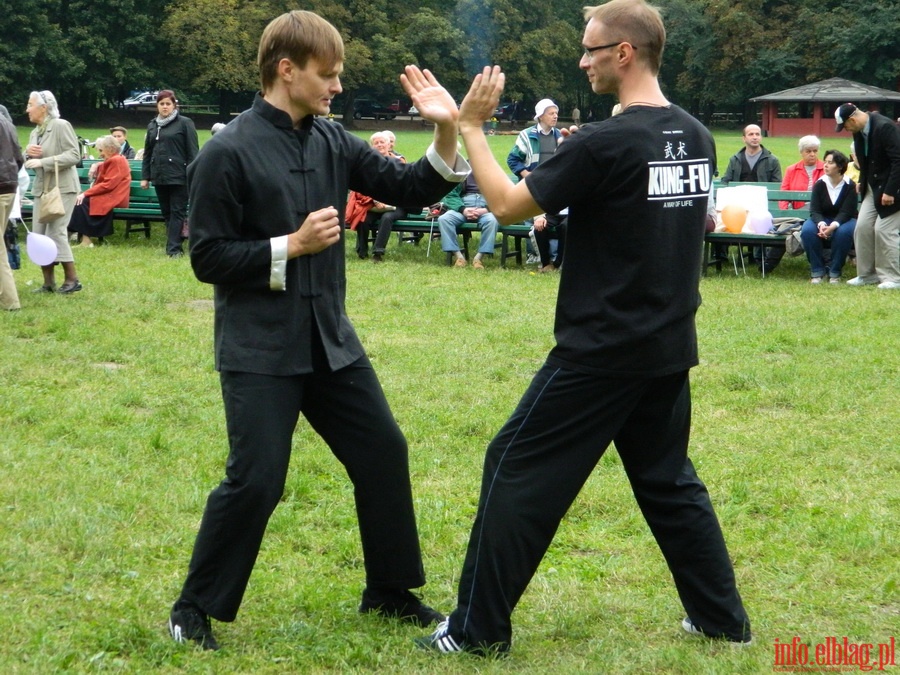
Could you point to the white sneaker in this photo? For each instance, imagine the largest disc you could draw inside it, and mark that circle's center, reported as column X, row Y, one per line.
column 889, row 285
column 862, row 281
column 816, row 280
column 834, row 280
column 692, row 628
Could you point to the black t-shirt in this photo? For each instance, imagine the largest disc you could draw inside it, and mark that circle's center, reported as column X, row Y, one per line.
column 636, row 186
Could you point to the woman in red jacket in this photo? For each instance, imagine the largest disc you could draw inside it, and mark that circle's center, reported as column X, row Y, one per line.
column 804, row 174
column 93, row 216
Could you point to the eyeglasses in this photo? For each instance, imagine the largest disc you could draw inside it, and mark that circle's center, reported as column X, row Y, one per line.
column 589, row 51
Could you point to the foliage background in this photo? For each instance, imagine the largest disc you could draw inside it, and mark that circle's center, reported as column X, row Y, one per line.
column 720, row 52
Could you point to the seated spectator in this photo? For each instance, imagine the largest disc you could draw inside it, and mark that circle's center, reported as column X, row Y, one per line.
column 853, row 166
column 832, row 219
column 547, row 228
column 92, row 216
column 387, row 220
column 121, row 135
column 467, row 204
column 803, row 174
column 362, row 211
column 753, row 163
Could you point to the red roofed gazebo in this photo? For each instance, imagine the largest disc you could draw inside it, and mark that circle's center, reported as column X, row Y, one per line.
column 809, row 109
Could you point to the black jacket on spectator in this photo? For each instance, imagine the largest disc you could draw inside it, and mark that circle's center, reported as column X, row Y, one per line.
column 880, row 166
column 168, row 150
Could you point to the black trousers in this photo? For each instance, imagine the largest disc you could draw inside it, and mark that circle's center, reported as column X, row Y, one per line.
column 385, row 225
column 536, row 466
column 555, row 229
column 347, row 408
column 173, row 203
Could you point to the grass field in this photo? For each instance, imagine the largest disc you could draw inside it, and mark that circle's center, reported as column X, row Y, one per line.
column 112, row 435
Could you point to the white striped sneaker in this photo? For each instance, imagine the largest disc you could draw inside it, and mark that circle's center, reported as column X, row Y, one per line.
column 440, row 640
column 692, row 628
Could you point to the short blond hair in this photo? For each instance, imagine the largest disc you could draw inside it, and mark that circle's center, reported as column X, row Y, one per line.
column 635, row 22
column 297, row 35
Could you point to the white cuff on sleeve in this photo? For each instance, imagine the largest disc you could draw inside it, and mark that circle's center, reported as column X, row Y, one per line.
column 455, row 175
column 278, row 272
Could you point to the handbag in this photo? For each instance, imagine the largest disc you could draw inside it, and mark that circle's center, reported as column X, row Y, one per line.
column 51, row 206
column 436, row 210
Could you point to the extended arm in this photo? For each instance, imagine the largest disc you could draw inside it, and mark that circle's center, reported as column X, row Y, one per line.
column 508, row 202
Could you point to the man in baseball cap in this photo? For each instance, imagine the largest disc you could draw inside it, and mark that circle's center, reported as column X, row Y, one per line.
column 842, row 114
column 877, row 234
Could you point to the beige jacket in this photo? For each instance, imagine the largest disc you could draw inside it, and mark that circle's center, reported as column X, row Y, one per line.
column 59, row 141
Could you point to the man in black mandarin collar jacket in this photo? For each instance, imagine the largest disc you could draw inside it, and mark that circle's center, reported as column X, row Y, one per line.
column 267, row 196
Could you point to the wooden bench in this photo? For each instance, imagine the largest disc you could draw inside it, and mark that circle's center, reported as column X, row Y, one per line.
column 774, row 195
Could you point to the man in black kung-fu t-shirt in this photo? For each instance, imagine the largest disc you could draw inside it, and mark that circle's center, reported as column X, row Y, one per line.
column 637, row 187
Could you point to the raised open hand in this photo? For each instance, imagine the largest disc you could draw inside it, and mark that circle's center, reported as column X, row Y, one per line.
column 483, row 97
column 433, row 101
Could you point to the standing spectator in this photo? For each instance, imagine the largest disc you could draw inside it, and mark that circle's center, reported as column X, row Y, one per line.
column 534, row 146
column 266, row 232
column 803, row 174
column 753, row 163
column 171, row 145
column 536, row 143
column 625, row 341
column 93, row 215
column 576, row 116
column 121, row 136
column 467, row 205
column 10, row 163
column 53, row 145
column 877, row 235
column 832, row 220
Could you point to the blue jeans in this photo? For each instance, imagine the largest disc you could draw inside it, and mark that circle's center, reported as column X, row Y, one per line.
column 841, row 242
column 452, row 219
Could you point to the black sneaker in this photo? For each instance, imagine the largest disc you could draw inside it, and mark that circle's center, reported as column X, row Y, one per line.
column 189, row 623
column 690, row 627
column 399, row 603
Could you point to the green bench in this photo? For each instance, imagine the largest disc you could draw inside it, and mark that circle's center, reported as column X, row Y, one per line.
column 418, row 225
column 143, row 208
column 774, row 195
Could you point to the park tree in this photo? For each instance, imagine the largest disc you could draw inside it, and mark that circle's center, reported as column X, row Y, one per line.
column 87, row 52
column 213, row 45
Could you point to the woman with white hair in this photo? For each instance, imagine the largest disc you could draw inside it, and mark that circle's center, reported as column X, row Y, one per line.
column 93, row 215
column 53, row 146
column 804, row 174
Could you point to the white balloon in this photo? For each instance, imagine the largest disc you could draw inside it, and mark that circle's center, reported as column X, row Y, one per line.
column 41, row 249
column 760, row 221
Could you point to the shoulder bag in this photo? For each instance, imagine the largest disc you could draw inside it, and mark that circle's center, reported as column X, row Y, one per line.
column 51, row 206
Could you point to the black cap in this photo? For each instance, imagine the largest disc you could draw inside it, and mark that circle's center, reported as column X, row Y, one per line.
column 842, row 114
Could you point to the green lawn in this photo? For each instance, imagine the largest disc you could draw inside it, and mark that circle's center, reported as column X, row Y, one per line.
column 112, row 435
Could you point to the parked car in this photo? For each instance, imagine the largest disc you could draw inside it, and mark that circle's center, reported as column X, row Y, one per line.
column 506, row 111
column 145, row 101
column 364, row 107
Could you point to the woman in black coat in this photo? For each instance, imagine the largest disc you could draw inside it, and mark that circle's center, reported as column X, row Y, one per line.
column 171, row 145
